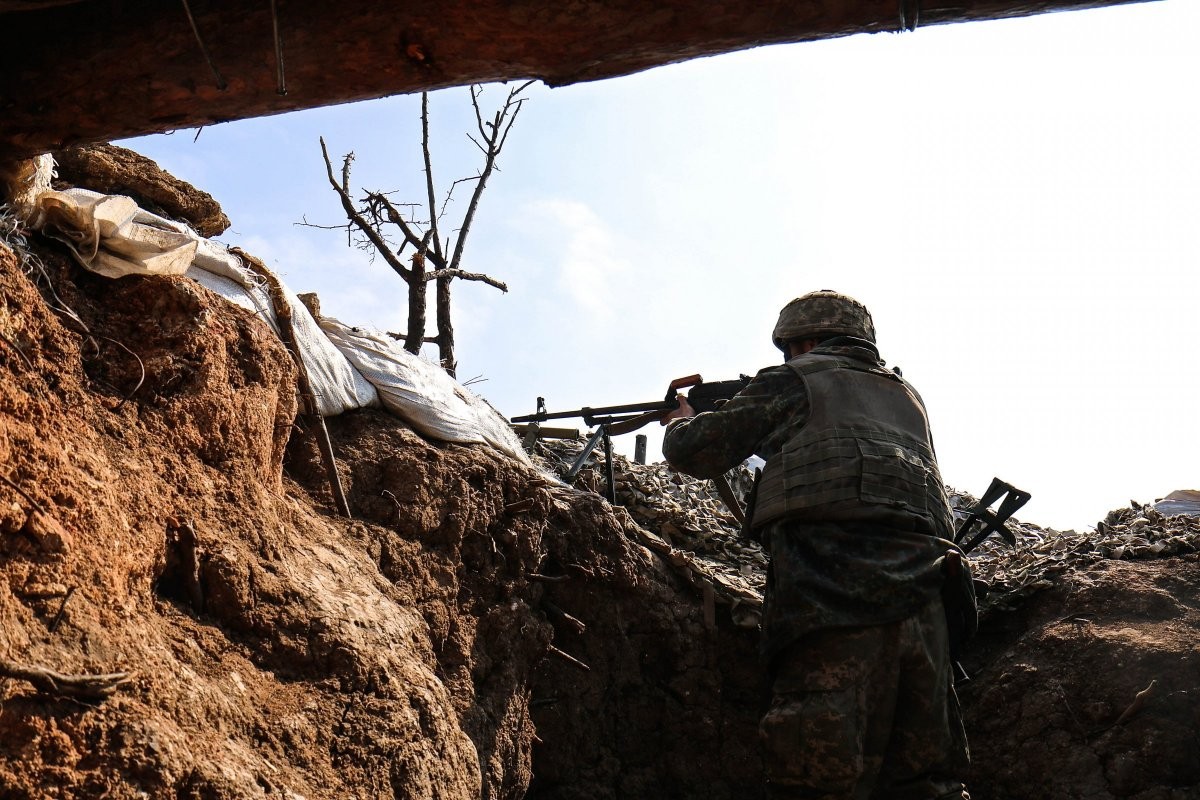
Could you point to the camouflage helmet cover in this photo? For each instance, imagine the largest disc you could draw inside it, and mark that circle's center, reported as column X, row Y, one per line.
column 822, row 313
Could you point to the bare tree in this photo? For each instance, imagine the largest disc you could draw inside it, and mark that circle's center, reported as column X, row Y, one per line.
column 373, row 222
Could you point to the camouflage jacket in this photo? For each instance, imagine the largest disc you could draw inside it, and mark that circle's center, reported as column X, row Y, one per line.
column 821, row 574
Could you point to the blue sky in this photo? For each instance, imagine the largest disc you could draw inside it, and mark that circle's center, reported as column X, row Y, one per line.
column 1016, row 201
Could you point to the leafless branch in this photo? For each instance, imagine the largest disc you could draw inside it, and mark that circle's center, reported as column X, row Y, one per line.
column 516, row 109
column 343, row 192
column 10, row 483
column 466, row 276
column 429, row 192
column 381, row 204
column 477, row 90
column 304, row 223
column 18, row 350
column 475, row 141
column 495, row 142
column 450, row 193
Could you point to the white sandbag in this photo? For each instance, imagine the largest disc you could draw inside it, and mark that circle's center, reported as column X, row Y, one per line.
column 337, row 385
column 422, row 393
column 347, row 368
column 113, row 236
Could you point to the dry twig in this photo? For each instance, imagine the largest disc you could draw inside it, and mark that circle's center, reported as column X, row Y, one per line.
column 81, row 687
column 141, row 366
column 537, row 576
column 28, row 498
column 62, row 609
column 1139, row 702
column 18, row 350
column 520, row 506
column 570, row 659
column 577, row 625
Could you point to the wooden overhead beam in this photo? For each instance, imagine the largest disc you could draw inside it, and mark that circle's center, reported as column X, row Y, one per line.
column 98, row 70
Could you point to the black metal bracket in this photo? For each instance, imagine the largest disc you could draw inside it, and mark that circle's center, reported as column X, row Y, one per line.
column 993, row 521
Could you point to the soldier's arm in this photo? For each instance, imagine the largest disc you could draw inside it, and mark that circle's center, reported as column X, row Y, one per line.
column 714, row 442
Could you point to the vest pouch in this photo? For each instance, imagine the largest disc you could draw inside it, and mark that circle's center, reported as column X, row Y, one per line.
column 958, row 601
column 893, row 476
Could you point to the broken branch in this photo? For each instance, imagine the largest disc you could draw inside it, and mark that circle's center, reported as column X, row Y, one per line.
column 62, row 609
column 537, row 576
column 467, row 276
column 570, row 659
column 82, row 687
column 12, row 485
column 558, row 613
column 343, row 193
column 1139, row 702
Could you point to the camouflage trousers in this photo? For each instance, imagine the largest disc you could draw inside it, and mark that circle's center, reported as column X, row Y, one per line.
column 866, row 714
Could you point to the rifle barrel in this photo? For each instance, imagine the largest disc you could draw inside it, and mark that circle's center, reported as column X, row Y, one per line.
column 631, row 408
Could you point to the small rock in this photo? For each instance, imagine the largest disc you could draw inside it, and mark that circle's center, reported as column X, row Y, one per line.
column 51, row 536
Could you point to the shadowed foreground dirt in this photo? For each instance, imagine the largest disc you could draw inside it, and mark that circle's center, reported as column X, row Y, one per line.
column 476, row 631
column 278, row 650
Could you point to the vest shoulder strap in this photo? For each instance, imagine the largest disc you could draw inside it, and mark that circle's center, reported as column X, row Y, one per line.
column 809, row 364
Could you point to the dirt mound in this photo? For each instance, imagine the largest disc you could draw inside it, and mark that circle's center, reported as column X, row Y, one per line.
column 278, row 650
column 109, row 169
column 1091, row 688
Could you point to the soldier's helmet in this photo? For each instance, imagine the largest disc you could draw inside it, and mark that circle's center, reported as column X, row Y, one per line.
column 823, row 313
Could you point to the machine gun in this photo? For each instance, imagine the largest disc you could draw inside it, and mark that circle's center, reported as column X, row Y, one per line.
column 615, row 420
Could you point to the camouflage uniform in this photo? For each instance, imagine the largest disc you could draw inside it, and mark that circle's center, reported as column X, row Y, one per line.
column 853, row 629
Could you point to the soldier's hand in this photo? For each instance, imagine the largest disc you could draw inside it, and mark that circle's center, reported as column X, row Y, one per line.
column 685, row 410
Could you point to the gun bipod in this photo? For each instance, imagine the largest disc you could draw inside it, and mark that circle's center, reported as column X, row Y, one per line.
column 601, row 434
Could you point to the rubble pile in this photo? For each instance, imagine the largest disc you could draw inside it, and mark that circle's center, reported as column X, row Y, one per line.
column 682, row 519
column 685, row 520
column 1043, row 555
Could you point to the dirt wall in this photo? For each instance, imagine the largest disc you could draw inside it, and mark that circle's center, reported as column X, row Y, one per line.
column 276, row 649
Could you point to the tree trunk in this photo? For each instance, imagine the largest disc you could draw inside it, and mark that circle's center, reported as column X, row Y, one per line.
column 445, row 328
column 416, row 306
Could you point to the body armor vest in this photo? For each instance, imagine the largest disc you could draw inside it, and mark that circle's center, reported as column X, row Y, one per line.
column 865, row 454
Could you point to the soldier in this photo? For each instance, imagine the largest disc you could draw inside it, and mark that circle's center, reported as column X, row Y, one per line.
column 853, row 513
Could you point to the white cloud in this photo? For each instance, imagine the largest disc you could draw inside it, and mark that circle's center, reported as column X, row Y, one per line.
column 588, row 255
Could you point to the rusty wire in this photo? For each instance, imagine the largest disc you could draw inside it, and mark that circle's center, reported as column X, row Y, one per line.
column 221, row 84
column 280, row 77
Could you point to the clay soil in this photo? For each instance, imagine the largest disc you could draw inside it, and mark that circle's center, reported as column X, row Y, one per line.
column 475, row 631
